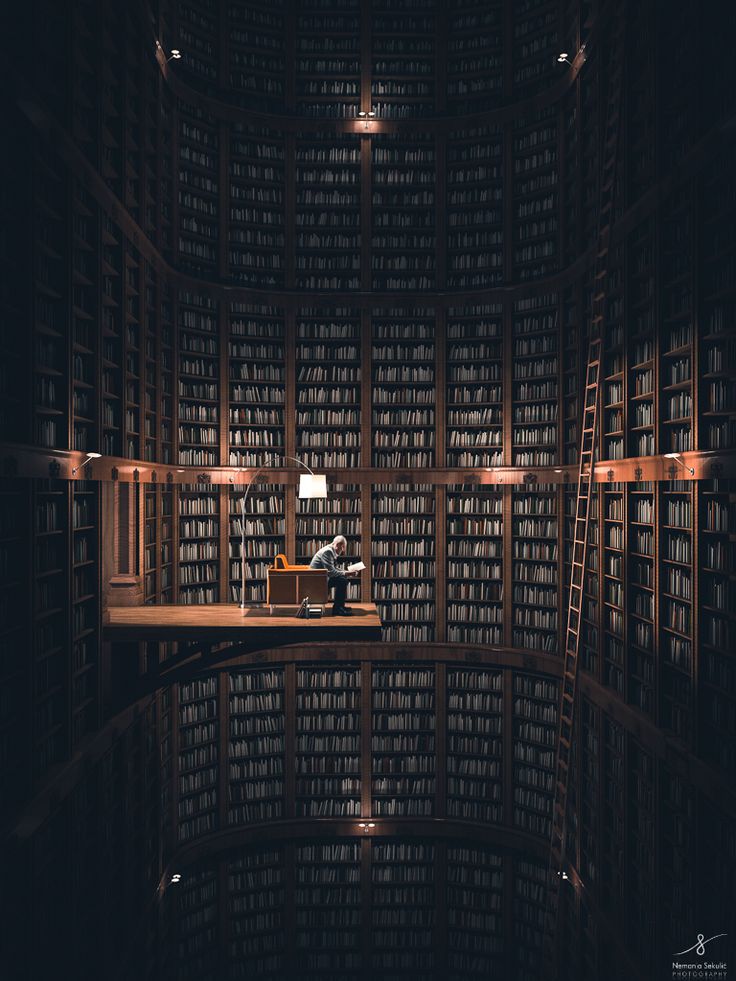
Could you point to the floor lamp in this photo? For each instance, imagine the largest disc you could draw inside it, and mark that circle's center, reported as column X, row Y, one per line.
column 310, row 485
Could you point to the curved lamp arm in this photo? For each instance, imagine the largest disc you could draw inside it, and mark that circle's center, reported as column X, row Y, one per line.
column 244, row 498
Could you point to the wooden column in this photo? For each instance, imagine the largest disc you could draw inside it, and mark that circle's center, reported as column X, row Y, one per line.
column 366, row 388
column 440, row 809
column 366, row 445
column 224, row 439
column 440, row 580
column 366, row 689
column 508, row 563
column 291, row 953
column 223, row 44
column 290, row 210
column 507, row 745
column 507, row 912
column 507, row 392
column 292, row 7
column 175, row 535
column 290, row 739
column 559, row 494
column 224, row 542
column 366, row 216
column 441, row 931
column 440, row 374
column 122, row 582
column 366, row 576
column 223, row 714
column 366, row 888
column 223, row 204
column 440, row 208
column 290, row 449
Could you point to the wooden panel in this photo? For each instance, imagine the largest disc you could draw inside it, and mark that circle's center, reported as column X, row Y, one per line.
column 217, row 622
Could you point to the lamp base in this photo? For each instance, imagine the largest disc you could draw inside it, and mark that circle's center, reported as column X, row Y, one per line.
column 253, row 605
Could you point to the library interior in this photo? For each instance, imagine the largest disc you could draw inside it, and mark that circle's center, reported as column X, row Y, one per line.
column 448, row 286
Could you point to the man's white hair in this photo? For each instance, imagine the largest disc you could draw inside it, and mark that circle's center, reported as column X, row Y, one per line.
column 339, row 540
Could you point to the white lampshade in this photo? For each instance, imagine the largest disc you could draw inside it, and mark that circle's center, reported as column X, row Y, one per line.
column 312, row 485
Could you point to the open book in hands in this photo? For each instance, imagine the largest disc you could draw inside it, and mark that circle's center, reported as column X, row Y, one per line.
column 355, row 567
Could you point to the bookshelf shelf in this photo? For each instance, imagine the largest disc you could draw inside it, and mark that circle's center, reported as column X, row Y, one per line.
column 256, row 746
column 474, row 542
column 328, row 388
column 410, row 556
column 199, row 545
column 256, row 238
column 328, row 764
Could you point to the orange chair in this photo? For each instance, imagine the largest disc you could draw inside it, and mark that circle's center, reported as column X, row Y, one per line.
column 288, row 585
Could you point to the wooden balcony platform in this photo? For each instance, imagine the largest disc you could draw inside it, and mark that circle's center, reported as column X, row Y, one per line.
column 255, row 628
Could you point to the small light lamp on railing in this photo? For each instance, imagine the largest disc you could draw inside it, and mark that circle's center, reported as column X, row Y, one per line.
column 175, row 54
column 90, row 456
column 678, row 457
column 367, row 116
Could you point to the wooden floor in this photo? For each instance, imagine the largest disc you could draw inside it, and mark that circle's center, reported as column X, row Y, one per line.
column 227, row 622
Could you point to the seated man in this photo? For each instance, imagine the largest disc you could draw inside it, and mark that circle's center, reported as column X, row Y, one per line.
column 325, row 559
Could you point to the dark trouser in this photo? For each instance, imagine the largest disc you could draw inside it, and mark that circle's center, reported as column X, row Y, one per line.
column 341, row 589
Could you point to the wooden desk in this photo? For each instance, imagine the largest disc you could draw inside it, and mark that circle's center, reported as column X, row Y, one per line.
column 288, row 587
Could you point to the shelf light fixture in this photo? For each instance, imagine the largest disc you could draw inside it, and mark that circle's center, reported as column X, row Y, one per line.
column 563, row 57
column 90, row 456
column 678, row 457
column 367, row 116
column 176, row 877
column 174, row 55
column 367, row 826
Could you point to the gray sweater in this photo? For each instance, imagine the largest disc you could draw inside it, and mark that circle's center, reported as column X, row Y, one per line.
column 325, row 559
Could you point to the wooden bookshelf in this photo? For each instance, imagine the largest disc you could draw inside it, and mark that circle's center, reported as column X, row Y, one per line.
column 256, row 54
column 256, row 238
column 328, row 59
column 216, row 260
column 328, row 389
column 403, row 566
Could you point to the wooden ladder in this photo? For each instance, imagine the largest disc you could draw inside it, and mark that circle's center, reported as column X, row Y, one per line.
column 589, row 435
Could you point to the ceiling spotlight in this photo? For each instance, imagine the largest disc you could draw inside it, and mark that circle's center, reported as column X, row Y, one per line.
column 563, row 56
column 90, row 456
column 678, row 457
